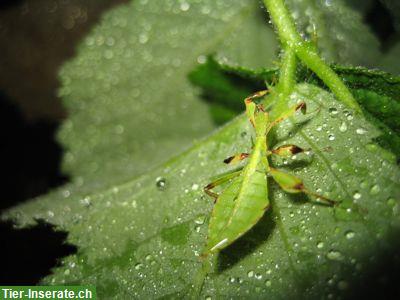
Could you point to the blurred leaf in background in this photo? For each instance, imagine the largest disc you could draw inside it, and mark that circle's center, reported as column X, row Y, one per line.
column 37, row 36
column 394, row 8
column 127, row 91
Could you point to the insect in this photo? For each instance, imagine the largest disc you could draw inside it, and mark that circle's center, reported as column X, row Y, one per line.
column 239, row 207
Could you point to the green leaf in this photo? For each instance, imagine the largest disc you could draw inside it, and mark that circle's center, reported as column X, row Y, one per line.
column 376, row 91
column 223, row 91
column 142, row 239
column 130, row 104
column 340, row 32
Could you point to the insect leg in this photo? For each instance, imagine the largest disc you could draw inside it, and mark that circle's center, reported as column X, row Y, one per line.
column 251, row 106
column 208, row 188
column 288, row 113
column 236, row 158
column 290, row 149
column 287, row 150
column 292, row 184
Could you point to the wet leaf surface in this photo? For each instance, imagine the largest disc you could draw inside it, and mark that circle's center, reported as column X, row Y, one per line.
column 140, row 240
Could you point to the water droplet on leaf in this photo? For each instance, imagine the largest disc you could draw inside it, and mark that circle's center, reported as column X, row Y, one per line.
column 350, row 234
column 343, row 127
column 334, row 255
column 361, row 131
column 375, row 189
column 333, row 111
column 161, row 183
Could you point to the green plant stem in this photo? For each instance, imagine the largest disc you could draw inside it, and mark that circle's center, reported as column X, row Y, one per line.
column 287, row 77
column 290, row 38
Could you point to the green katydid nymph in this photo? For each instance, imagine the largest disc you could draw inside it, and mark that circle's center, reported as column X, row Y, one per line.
column 239, row 207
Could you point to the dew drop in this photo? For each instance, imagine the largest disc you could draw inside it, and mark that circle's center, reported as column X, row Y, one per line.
column 268, row 283
column 361, row 131
column 201, row 59
column 343, row 127
column 320, row 245
column 185, row 6
column 143, row 38
column 138, row 266
column 134, row 204
column 199, row 220
column 333, row 111
column 348, row 115
column 250, row 274
column 86, row 202
column 334, row 255
column 349, row 234
column 195, row 187
column 161, row 183
column 375, row 190
column 356, row 196
column 331, row 137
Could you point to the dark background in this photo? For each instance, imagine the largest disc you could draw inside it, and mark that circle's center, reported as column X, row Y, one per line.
column 36, row 38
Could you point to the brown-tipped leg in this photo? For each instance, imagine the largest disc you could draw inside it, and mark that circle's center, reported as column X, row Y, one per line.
column 328, row 201
column 260, row 107
column 236, row 158
column 251, row 107
column 302, row 106
column 292, row 184
column 208, row 188
column 288, row 113
column 288, row 150
column 256, row 95
column 209, row 192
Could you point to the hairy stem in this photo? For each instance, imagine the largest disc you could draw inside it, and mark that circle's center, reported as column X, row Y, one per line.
column 283, row 22
column 287, row 78
column 290, row 38
column 287, row 73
